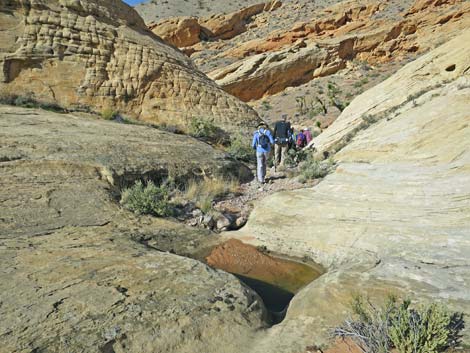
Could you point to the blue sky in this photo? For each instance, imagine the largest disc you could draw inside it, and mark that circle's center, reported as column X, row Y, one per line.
column 133, row 2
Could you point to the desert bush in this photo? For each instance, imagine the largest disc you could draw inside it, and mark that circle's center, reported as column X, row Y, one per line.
column 266, row 105
column 377, row 329
column 204, row 192
column 294, row 157
column 108, row 114
column 313, row 169
column 202, row 127
column 28, row 101
column 25, row 101
column 240, row 148
column 148, row 199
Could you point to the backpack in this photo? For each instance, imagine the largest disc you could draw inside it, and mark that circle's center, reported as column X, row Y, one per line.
column 301, row 140
column 263, row 140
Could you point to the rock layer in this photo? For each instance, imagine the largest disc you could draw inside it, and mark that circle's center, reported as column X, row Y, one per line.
column 444, row 64
column 394, row 216
column 187, row 31
column 349, row 30
column 100, row 54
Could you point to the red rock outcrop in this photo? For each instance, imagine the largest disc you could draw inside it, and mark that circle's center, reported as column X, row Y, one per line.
column 325, row 45
column 187, row 31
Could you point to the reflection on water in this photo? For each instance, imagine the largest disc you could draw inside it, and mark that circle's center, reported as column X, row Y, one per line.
column 276, row 280
column 276, row 299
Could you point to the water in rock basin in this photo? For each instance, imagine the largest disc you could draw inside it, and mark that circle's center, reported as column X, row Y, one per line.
column 276, row 280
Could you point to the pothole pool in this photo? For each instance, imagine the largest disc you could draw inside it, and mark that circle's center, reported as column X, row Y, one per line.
column 275, row 279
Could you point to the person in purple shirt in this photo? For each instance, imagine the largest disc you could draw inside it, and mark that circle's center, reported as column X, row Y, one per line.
column 262, row 141
column 308, row 135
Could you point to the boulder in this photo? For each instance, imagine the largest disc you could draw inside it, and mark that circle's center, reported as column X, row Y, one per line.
column 178, row 31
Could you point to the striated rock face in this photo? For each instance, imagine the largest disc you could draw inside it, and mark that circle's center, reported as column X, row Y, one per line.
column 100, row 54
column 81, row 274
column 444, row 64
column 394, row 216
column 346, row 31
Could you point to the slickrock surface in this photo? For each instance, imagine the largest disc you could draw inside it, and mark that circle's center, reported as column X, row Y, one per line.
column 395, row 215
column 100, row 54
column 78, row 272
column 406, row 88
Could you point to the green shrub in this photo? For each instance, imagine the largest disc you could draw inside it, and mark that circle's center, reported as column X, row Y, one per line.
column 240, row 148
column 148, row 199
column 109, row 114
column 294, row 157
column 201, row 127
column 425, row 330
column 25, row 101
column 28, row 101
column 266, row 105
column 377, row 329
column 313, row 169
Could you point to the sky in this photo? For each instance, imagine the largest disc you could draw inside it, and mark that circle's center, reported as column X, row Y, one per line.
column 133, row 2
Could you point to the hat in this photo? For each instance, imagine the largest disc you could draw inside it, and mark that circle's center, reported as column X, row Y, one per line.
column 262, row 123
column 284, row 115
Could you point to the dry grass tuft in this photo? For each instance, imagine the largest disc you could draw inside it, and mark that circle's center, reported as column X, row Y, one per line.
column 204, row 192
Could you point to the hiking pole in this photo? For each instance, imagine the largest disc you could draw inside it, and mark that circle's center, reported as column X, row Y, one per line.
column 275, row 159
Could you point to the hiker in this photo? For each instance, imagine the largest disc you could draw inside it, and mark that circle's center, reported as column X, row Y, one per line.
column 308, row 135
column 292, row 140
column 262, row 141
column 301, row 140
column 282, row 131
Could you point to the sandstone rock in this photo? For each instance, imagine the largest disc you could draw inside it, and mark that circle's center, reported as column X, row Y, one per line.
column 81, row 274
column 178, row 31
column 240, row 222
column 188, row 31
column 421, row 5
column 341, row 33
column 101, row 55
column 269, row 73
column 224, row 222
column 157, row 10
column 208, row 221
column 85, row 151
column 230, row 25
column 393, row 218
column 445, row 63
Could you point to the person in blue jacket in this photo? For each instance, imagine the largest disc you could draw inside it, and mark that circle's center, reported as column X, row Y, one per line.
column 262, row 141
